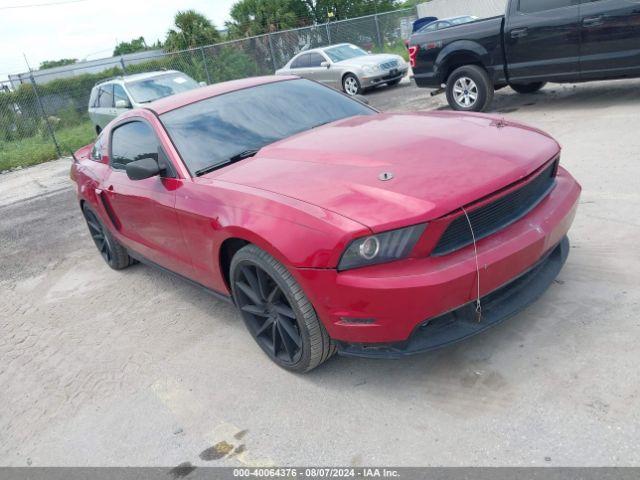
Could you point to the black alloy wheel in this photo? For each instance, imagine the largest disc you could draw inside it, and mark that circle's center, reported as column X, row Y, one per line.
column 277, row 312
column 268, row 314
column 111, row 251
column 97, row 233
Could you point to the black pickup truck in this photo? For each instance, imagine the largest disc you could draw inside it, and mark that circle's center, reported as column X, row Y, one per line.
column 536, row 41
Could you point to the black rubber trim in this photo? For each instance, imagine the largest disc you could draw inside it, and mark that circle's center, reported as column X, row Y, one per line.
column 220, row 296
column 461, row 323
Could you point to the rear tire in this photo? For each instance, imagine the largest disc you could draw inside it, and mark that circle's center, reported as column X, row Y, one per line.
column 114, row 254
column 351, row 85
column 277, row 313
column 528, row 88
column 469, row 89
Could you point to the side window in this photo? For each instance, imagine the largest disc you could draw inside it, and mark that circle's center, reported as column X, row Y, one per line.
column 105, row 97
column 534, row 6
column 315, row 59
column 132, row 141
column 431, row 27
column 120, row 94
column 301, row 62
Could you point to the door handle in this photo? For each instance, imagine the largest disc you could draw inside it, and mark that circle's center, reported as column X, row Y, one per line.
column 592, row 21
column 519, row 32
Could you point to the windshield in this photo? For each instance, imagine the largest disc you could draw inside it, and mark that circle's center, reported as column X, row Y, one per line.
column 209, row 133
column 344, row 52
column 151, row 89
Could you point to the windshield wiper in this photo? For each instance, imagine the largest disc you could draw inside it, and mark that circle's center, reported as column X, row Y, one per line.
column 234, row 158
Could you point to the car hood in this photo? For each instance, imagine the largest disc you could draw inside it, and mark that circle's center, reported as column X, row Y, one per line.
column 439, row 162
column 375, row 59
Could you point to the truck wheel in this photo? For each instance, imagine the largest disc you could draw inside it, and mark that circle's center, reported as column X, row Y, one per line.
column 528, row 88
column 469, row 89
column 277, row 313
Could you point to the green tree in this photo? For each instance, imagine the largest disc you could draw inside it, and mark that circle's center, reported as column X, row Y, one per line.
column 255, row 17
column 135, row 45
column 57, row 63
column 192, row 30
column 330, row 10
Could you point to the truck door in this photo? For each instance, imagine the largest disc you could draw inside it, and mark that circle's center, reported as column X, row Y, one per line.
column 542, row 40
column 610, row 32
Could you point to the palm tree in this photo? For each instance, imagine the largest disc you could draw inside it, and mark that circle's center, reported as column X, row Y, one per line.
column 192, row 30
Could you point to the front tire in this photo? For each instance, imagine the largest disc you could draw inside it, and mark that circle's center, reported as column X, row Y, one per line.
column 114, row 254
column 351, row 85
column 277, row 313
column 469, row 89
column 528, row 88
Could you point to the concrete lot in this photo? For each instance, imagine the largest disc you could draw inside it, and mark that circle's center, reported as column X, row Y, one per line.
column 138, row 368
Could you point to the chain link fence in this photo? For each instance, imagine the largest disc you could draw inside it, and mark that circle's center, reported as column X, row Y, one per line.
column 44, row 115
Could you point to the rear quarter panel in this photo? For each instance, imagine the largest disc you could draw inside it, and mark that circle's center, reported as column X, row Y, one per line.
column 440, row 52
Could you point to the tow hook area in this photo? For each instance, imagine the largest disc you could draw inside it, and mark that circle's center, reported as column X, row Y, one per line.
column 437, row 92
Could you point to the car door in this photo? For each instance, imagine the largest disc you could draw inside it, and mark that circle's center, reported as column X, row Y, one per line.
column 143, row 211
column 542, row 40
column 610, row 37
column 106, row 110
column 317, row 71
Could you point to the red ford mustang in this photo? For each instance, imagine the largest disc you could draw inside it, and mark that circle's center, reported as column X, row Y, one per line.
column 330, row 225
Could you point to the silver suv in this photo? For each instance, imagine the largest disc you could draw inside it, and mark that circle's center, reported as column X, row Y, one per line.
column 114, row 96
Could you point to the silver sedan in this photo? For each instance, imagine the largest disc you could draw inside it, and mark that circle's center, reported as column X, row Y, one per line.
column 347, row 67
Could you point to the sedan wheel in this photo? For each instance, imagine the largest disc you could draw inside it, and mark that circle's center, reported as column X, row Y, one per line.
column 351, row 85
column 277, row 313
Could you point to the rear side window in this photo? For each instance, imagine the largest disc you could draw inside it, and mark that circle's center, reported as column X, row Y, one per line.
column 133, row 141
column 301, row 62
column 93, row 99
column 534, row 6
column 105, row 97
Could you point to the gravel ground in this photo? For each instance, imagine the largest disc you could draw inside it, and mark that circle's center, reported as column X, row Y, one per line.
column 138, row 368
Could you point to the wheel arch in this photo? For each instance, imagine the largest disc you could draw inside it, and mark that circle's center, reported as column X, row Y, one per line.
column 459, row 54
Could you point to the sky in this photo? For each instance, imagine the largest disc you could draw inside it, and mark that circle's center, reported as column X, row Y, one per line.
column 87, row 28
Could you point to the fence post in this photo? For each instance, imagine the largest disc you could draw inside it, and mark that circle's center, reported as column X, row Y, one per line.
column 44, row 114
column 328, row 33
column 378, row 32
column 273, row 55
column 124, row 67
column 206, row 67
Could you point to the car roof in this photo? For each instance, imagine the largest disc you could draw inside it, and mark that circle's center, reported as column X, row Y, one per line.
column 321, row 49
column 178, row 100
column 137, row 76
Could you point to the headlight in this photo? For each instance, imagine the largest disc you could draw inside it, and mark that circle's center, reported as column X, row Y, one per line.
column 381, row 247
column 370, row 69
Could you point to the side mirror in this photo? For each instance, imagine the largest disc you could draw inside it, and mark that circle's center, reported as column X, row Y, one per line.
column 122, row 104
column 143, row 168
column 362, row 99
column 325, row 65
column 202, row 84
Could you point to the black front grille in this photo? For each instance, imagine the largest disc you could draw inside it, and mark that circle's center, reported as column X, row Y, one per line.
column 498, row 214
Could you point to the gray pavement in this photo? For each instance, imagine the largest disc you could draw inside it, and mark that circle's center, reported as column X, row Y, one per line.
column 107, row 368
